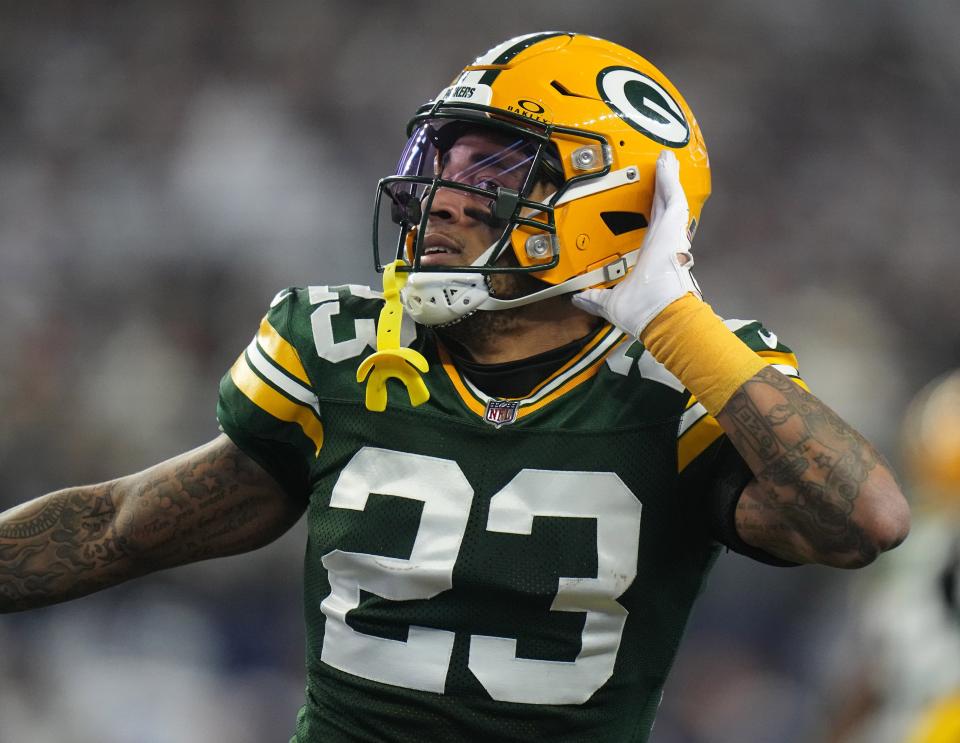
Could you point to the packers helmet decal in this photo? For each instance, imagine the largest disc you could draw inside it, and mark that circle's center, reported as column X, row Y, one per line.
column 644, row 105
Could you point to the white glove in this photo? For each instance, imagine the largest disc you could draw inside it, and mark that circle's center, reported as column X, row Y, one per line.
column 662, row 272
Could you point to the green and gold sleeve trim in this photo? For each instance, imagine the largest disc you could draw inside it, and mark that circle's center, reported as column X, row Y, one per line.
column 270, row 374
column 698, row 429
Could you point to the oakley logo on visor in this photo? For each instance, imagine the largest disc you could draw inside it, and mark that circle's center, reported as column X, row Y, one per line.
column 644, row 105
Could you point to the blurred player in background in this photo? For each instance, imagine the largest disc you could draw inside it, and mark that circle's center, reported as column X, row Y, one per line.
column 907, row 687
column 510, row 519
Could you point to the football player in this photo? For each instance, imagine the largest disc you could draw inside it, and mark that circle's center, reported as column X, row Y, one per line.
column 518, row 461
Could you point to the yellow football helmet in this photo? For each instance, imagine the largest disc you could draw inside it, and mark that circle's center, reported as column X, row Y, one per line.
column 582, row 115
column 931, row 443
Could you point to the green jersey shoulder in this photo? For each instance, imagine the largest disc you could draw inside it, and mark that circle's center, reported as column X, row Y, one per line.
column 311, row 341
column 480, row 568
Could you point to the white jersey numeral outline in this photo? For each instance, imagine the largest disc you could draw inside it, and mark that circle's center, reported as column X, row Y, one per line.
column 422, row 661
column 365, row 329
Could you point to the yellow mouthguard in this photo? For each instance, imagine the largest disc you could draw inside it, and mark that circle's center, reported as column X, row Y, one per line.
column 390, row 360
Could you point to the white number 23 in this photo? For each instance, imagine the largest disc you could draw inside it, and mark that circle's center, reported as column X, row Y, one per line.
column 422, row 661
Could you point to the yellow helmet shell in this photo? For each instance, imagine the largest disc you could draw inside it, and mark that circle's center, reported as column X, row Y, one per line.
column 931, row 441
column 585, row 84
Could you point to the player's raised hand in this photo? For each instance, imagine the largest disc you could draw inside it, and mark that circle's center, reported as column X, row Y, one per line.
column 662, row 273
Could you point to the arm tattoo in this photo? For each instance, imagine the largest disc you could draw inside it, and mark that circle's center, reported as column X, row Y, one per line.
column 809, row 463
column 210, row 502
column 63, row 545
column 206, row 506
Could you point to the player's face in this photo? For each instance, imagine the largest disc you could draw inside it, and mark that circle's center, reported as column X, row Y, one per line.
column 461, row 225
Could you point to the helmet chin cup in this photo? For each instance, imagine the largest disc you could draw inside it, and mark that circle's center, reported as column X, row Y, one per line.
column 434, row 298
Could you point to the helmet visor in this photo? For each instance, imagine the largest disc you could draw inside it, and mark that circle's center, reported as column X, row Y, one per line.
column 464, row 178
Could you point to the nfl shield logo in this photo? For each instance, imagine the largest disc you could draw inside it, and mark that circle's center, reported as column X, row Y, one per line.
column 501, row 412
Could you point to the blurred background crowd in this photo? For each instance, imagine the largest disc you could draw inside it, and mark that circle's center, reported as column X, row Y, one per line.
column 165, row 168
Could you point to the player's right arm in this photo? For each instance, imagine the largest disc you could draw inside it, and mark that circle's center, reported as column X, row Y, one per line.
column 210, row 502
column 821, row 493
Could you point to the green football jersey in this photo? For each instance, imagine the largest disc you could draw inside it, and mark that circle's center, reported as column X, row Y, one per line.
column 480, row 569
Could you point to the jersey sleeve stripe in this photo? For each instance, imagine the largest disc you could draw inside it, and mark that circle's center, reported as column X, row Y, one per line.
column 269, row 400
column 280, row 351
column 693, row 414
column 698, row 429
column 779, row 357
column 696, row 438
column 787, row 371
column 800, row 383
column 267, row 370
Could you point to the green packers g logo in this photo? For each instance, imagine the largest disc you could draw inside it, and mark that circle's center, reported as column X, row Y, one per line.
column 644, row 105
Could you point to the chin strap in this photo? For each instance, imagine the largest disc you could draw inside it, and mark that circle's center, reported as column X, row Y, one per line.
column 604, row 274
column 390, row 360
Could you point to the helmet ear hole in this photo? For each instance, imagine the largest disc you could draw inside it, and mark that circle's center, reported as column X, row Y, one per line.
column 619, row 223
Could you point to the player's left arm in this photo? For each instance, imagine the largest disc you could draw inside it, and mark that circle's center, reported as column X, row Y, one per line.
column 821, row 492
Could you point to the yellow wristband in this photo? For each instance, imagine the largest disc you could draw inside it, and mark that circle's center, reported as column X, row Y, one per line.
column 699, row 350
